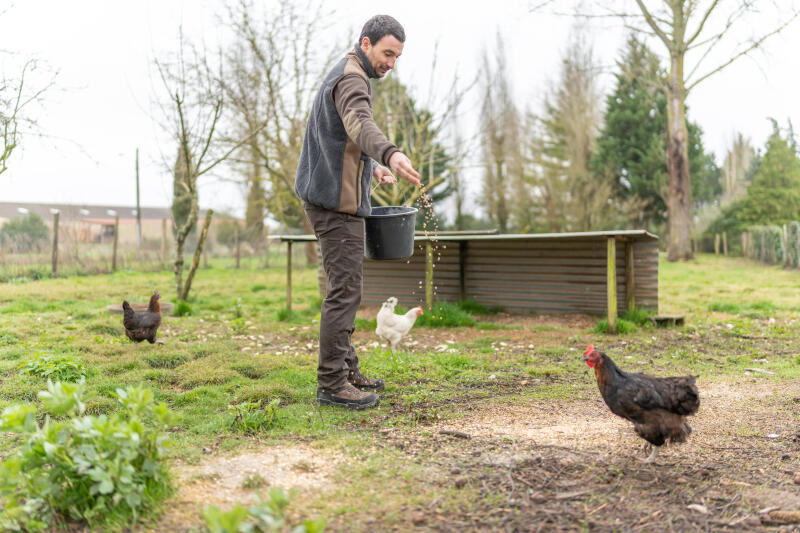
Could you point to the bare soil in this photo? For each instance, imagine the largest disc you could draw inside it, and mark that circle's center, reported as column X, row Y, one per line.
column 573, row 466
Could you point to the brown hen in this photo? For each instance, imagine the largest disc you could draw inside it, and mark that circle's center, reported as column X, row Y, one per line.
column 143, row 325
column 658, row 407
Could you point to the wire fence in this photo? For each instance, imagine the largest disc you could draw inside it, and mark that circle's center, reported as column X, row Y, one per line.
column 75, row 258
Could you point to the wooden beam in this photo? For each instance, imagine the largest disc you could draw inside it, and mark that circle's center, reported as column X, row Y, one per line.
column 428, row 275
column 611, row 284
column 288, row 275
column 630, row 276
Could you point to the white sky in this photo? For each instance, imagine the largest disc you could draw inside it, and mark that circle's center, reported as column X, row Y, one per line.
column 103, row 50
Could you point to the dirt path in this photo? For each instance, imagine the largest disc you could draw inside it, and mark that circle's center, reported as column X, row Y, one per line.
column 225, row 481
column 571, row 466
column 558, row 465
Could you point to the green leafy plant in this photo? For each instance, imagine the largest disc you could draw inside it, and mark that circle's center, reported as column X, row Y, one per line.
column 623, row 326
column 475, row 308
column 445, row 315
column 59, row 367
column 182, row 308
column 97, row 469
column 640, row 317
column 266, row 516
column 8, row 339
column 253, row 417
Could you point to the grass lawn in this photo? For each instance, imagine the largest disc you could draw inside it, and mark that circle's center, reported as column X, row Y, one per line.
column 492, row 426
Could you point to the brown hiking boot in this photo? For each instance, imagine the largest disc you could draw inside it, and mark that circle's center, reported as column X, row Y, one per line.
column 349, row 396
column 360, row 381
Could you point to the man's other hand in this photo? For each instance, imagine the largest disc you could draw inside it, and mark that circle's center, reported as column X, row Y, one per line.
column 401, row 165
column 383, row 176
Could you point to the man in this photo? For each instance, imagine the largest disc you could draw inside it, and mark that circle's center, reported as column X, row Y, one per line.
column 342, row 152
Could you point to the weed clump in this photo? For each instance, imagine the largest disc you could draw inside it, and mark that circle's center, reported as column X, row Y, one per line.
column 97, row 469
column 53, row 366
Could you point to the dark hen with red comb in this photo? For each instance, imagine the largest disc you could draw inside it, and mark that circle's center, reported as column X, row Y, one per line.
column 658, row 407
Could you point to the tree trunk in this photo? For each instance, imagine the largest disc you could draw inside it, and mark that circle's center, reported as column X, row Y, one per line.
column 679, row 190
column 179, row 265
column 502, row 213
column 184, row 293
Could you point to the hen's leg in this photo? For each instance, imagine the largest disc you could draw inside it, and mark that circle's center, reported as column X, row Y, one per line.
column 653, row 454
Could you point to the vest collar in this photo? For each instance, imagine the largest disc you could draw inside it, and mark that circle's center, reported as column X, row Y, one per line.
column 362, row 57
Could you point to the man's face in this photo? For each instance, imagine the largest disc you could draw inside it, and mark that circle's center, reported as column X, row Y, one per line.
column 382, row 54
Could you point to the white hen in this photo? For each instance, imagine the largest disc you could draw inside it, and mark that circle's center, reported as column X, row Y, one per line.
column 394, row 327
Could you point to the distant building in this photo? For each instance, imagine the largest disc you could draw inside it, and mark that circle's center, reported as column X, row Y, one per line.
column 95, row 223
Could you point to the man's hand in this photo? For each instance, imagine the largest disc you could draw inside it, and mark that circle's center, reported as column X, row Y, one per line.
column 383, row 176
column 401, row 165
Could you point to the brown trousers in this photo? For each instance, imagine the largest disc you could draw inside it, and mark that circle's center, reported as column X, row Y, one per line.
column 341, row 241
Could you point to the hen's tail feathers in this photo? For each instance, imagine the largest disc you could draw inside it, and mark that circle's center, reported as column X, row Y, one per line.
column 127, row 311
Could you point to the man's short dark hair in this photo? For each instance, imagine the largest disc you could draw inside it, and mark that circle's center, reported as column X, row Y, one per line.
column 380, row 25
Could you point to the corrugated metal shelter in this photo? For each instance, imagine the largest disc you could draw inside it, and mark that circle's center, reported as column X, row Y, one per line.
column 547, row 272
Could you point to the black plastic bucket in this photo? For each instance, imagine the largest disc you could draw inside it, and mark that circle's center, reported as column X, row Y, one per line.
column 390, row 233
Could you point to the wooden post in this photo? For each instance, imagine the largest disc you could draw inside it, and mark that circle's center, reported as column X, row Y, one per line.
column 266, row 247
column 630, row 276
column 288, row 275
column 743, row 237
column 611, row 284
column 716, row 244
column 55, row 245
column 138, row 206
column 236, row 242
column 462, row 264
column 787, row 257
column 725, row 243
column 164, row 241
column 116, row 244
column 428, row 275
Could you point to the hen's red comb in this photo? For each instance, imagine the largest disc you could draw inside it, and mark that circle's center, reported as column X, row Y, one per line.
column 589, row 350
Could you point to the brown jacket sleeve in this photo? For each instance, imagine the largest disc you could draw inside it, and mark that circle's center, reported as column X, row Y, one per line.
column 351, row 98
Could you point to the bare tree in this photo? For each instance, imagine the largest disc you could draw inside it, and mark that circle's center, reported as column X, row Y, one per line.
column 274, row 69
column 702, row 28
column 500, row 125
column 734, row 169
column 419, row 131
column 568, row 192
column 15, row 96
column 190, row 114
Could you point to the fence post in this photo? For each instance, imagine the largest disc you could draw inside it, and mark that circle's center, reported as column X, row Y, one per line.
column 236, row 241
column 611, row 284
column 787, row 259
column 716, row 244
column 725, row 243
column 288, row 275
column 55, row 245
column 163, row 241
column 116, row 242
column 266, row 246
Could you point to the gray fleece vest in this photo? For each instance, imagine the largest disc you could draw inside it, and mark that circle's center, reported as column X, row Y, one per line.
column 329, row 176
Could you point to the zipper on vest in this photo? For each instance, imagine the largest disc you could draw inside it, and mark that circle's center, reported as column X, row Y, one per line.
column 358, row 182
